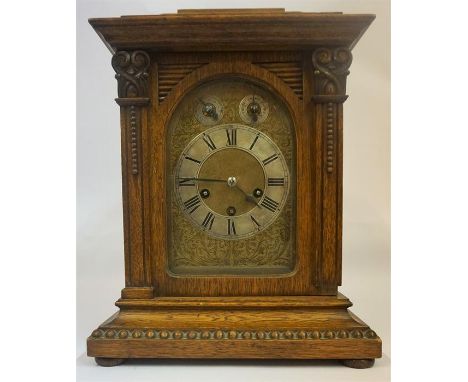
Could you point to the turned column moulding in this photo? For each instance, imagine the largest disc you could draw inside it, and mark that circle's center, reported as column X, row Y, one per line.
column 330, row 72
column 131, row 69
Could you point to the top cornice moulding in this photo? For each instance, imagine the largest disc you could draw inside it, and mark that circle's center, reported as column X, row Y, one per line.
column 231, row 30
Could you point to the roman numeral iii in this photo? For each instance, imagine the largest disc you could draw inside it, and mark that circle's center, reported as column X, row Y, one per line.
column 276, row 181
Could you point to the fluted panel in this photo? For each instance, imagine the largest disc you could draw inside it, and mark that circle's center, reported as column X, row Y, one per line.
column 289, row 72
column 169, row 75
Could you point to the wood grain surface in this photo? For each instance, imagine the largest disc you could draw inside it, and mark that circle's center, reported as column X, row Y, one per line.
column 220, row 30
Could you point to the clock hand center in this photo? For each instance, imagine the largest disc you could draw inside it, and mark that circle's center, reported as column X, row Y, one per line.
column 232, row 181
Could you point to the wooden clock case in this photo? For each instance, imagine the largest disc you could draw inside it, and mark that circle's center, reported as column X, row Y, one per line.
column 304, row 59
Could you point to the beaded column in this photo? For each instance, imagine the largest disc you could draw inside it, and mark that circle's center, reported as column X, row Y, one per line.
column 330, row 67
column 131, row 69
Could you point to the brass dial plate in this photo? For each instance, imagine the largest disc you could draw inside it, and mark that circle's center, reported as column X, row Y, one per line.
column 192, row 251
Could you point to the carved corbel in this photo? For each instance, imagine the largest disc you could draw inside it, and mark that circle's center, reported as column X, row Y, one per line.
column 131, row 73
column 330, row 72
column 132, row 83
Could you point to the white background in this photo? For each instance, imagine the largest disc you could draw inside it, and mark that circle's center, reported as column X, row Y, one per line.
column 366, row 220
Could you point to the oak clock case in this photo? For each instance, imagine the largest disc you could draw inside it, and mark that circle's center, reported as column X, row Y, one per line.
column 232, row 187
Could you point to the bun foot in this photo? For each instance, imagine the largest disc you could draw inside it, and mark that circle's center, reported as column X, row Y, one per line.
column 108, row 362
column 358, row 363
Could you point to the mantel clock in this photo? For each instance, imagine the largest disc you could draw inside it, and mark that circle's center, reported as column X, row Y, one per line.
column 232, row 141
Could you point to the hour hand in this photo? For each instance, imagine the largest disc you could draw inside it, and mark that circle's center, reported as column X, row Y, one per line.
column 202, row 180
column 251, row 199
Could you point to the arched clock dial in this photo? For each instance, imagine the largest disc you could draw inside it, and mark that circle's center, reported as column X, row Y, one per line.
column 231, row 181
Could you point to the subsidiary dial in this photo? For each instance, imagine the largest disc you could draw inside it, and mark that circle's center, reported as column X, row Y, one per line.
column 209, row 110
column 253, row 109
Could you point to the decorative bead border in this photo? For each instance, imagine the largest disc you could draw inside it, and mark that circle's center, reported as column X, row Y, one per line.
column 232, row 334
column 330, row 136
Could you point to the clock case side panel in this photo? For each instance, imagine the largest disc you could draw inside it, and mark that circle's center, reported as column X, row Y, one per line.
column 328, row 72
column 209, row 67
column 132, row 75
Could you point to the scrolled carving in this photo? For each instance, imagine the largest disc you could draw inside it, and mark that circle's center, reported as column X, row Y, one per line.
column 331, row 68
column 132, row 73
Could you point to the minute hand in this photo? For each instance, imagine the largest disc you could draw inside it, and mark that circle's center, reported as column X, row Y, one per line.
column 205, row 180
column 248, row 197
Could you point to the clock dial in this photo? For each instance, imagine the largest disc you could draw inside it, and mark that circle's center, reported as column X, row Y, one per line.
column 231, row 192
column 236, row 186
